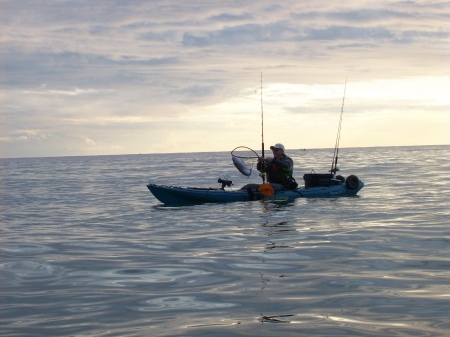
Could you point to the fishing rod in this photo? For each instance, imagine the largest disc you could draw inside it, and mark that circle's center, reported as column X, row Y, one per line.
column 338, row 137
column 237, row 158
column 263, row 176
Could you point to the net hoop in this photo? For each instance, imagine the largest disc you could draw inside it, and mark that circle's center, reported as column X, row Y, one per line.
column 245, row 157
column 243, row 167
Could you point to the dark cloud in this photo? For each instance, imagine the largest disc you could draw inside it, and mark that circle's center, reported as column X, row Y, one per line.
column 238, row 35
column 21, row 68
column 226, row 17
column 370, row 15
column 194, row 94
column 165, row 36
column 281, row 32
column 348, row 33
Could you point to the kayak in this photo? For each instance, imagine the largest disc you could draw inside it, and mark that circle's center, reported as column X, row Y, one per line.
column 316, row 186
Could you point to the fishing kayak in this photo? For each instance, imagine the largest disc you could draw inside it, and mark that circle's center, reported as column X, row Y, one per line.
column 316, row 186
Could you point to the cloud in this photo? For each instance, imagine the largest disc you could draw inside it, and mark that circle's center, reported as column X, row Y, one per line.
column 88, row 141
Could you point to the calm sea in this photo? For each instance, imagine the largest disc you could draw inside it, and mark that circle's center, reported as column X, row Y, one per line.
column 86, row 250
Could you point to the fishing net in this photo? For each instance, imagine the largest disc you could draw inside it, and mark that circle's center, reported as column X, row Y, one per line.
column 244, row 158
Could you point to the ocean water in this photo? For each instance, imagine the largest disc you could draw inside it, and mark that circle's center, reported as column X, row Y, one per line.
column 86, row 250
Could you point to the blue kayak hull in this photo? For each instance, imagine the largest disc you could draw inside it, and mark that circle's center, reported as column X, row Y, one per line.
column 170, row 195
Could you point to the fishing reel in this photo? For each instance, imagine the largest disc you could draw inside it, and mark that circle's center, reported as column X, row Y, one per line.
column 335, row 169
column 224, row 183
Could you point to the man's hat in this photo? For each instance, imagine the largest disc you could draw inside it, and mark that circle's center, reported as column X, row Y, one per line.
column 277, row 146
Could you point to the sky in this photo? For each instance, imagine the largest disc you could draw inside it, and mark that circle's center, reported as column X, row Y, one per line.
column 85, row 77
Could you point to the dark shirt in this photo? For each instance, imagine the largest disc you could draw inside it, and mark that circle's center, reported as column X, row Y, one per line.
column 279, row 171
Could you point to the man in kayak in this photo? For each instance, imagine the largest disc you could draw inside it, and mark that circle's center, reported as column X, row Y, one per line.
column 278, row 168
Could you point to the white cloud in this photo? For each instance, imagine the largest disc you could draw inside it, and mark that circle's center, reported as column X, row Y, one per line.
column 89, row 141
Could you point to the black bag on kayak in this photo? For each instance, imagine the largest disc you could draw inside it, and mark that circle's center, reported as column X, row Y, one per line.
column 291, row 184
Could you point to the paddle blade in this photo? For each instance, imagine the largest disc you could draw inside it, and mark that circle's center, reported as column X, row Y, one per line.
column 240, row 165
column 266, row 189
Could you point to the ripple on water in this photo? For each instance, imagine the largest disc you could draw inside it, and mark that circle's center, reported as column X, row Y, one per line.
column 88, row 308
column 130, row 276
column 30, row 269
column 199, row 261
column 227, row 238
column 91, row 245
column 26, row 248
column 156, row 246
column 274, row 256
column 260, row 266
column 182, row 303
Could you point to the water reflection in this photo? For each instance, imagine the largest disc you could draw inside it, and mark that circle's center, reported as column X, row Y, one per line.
column 278, row 227
column 275, row 319
column 276, row 206
column 282, row 230
column 272, row 245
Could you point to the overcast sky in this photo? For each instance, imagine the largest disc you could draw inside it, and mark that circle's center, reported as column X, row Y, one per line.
column 90, row 77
